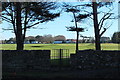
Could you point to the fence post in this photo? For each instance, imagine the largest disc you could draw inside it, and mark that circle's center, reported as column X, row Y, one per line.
column 60, row 59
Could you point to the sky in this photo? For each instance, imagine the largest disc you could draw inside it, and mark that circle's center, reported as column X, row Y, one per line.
column 58, row 27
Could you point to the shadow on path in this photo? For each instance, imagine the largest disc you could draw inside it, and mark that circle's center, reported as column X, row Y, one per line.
column 71, row 75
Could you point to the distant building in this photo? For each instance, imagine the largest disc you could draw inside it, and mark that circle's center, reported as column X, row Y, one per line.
column 31, row 42
column 57, row 42
column 26, row 42
column 104, row 39
column 11, row 42
column 34, row 42
column 64, row 41
column 70, row 41
column 74, row 40
column 89, row 40
column 1, row 41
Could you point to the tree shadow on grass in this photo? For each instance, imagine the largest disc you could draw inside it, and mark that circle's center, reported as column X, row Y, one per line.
column 37, row 46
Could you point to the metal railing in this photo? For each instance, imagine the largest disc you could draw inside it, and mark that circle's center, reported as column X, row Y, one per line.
column 60, row 53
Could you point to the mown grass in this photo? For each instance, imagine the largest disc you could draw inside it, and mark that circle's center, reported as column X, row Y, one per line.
column 71, row 47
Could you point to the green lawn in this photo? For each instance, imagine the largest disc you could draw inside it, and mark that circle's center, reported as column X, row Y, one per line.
column 71, row 47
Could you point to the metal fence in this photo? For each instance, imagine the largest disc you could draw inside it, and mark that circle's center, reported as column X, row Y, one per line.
column 60, row 53
column 60, row 58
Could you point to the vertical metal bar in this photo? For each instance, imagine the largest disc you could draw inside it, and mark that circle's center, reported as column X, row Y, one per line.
column 60, row 62
column 54, row 54
column 60, row 54
column 66, row 53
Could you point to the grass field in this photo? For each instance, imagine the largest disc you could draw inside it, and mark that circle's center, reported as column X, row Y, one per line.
column 71, row 47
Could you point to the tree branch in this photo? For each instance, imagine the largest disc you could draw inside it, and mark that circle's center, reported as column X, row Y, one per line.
column 105, row 29
column 12, row 21
column 6, row 11
column 6, row 29
column 6, row 19
column 103, row 19
column 86, row 5
column 109, row 14
column 88, row 13
column 30, row 18
column 32, row 25
column 25, row 23
column 90, row 17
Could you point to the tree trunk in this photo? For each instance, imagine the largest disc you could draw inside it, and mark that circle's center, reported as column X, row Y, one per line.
column 96, row 27
column 77, row 42
column 76, row 32
column 19, row 37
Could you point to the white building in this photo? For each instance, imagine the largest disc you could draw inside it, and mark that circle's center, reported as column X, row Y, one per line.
column 32, row 42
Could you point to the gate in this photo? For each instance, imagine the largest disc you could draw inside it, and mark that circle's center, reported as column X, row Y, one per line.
column 60, row 53
column 60, row 58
